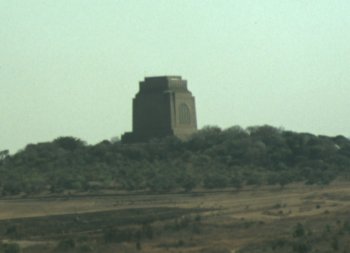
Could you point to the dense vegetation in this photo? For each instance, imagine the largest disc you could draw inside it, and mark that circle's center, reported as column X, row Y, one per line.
column 211, row 158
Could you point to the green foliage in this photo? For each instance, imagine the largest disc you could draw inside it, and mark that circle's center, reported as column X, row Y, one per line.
column 302, row 247
column 4, row 154
column 187, row 182
column 215, row 180
column 147, row 231
column 346, row 226
column 69, row 143
column 114, row 235
column 66, row 244
column 236, row 182
column 335, row 244
column 211, row 158
column 10, row 248
column 279, row 243
column 299, row 230
column 13, row 232
column 85, row 248
column 138, row 245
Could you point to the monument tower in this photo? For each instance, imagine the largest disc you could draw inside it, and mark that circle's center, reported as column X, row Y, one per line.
column 162, row 107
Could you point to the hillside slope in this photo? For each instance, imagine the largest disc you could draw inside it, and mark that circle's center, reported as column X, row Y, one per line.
column 211, row 158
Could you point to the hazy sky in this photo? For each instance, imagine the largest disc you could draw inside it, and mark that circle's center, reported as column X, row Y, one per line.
column 72, row 67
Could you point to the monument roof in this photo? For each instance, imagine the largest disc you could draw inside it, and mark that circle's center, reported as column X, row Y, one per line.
column 170, row 77
column 163, row 83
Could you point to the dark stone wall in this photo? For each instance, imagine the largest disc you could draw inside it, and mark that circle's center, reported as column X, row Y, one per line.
column 162, row 107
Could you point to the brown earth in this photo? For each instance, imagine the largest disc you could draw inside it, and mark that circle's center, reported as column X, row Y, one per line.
column 217, row 221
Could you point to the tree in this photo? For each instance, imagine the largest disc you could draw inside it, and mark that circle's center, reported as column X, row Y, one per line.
column 212, row 158
column 187, row 182
column 215, row 180
column 236, row 182
column 4, row 154
column 299, row 230
column 69, row 143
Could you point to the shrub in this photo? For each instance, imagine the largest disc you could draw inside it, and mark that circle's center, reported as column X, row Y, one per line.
column 66, row 244
column 13, row 232
column 302, row 247
column 84, row 248
column 299, row 230
column 11, row 248
column 278, row 243
column 116, row 235
column 236, row 182
column 147, row 230
column 215, row 181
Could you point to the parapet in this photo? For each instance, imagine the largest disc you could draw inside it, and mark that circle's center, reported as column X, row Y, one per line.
column 163, row 83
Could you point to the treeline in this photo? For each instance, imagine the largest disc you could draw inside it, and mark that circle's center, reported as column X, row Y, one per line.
column 211, row 158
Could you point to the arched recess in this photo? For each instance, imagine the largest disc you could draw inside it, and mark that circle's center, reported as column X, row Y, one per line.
column 184, row 114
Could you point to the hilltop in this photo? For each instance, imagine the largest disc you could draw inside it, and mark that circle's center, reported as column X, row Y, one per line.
column 211, row 158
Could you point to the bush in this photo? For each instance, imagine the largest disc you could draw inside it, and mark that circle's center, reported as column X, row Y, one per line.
column 66, row 244
column 299, row 230
column 215, row 181
column 279, row 243
column 13, row 232
column 115, row 235
column 10, row 248
column 12, row 188
column 187, row 183
column 302, row 247
column 161, row 183
column 236, row 182
column 253, row 179
column 84, row 248
column 212, row 158
column 147, row 231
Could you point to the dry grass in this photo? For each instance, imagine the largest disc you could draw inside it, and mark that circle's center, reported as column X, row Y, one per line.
column 231, row 221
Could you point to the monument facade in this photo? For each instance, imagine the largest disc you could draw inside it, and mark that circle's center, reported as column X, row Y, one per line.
column 162, row 107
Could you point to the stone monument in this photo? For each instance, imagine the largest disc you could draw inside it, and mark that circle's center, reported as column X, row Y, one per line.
column 162, row 107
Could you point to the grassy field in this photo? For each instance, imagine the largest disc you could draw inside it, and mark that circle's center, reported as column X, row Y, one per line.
column 297, row 218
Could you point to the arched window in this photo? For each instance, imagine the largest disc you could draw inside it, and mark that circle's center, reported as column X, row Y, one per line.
column 184, row 114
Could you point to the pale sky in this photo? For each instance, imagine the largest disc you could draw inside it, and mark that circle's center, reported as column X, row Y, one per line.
column 72, row 67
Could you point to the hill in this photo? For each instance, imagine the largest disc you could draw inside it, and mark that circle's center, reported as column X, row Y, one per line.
column 211, row 158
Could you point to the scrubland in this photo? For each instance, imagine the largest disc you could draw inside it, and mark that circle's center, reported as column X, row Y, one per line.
column 258, row 189
column 295, row 218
